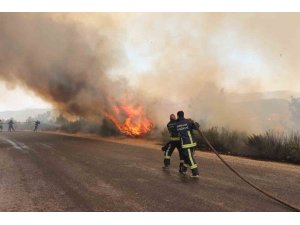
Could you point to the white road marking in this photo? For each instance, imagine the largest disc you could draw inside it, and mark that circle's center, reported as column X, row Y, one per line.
column 16, row 145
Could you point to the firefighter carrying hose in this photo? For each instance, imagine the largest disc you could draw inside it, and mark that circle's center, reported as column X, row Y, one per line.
column 172, row 144
column 185, row 129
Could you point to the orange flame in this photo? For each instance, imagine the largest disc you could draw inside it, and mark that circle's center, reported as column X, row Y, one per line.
column 130, row 120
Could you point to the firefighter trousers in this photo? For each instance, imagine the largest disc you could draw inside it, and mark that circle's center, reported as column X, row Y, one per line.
column 168, row 151
column 189, row 160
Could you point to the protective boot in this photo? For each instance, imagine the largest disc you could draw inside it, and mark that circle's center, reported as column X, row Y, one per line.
column 166, row 167
column 166, row 164
column 195, row 173
column 181, row 167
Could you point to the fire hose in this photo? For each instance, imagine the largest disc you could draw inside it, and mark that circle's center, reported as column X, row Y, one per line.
column 244, row 179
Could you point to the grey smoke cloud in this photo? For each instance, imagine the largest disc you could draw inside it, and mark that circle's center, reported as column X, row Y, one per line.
column 62, row 61
column 200, row 60
column 193, row 62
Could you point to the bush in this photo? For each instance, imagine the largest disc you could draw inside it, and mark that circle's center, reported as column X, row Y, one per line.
column 276, row 146
column 224, row 140
column 268, row 146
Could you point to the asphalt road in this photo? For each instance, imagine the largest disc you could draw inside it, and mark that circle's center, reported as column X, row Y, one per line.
column 50, row 172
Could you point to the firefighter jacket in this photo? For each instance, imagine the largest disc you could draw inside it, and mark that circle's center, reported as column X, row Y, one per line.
column 173, row 131
column 185, row 129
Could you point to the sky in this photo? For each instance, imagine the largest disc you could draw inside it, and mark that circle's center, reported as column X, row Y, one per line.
column 252, row 52
column 18, row 98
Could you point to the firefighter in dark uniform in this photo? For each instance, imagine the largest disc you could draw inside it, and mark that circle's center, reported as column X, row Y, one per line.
column 172, row 144
column 36, row 125
column 11, row 126
column 185, row 129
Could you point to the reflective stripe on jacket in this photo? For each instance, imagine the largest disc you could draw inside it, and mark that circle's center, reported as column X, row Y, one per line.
column 185, row 129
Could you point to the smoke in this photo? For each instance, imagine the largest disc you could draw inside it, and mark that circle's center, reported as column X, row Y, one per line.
column 65, row 62
column 201, row 63
column 186, row 73
column 85, row 63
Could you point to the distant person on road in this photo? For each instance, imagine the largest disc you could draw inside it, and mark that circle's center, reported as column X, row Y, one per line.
column 36, row 125
column 172, row 144
column 185, row 129
column 1, row 125
column 11, row 126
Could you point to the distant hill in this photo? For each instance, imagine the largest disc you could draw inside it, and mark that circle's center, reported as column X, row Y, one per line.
column 22, row 115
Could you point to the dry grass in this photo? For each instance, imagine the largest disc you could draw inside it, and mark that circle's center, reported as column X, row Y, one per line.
column 276, row 146
column 271, row 145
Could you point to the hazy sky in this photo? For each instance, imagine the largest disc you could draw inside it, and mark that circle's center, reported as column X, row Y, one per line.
column 19, row 98
column 252, row 52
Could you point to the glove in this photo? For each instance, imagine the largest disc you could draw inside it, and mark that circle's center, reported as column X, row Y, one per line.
column 163, row 148
column 197, row 125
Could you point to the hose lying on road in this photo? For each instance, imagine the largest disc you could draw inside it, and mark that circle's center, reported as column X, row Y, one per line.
column 244, row 179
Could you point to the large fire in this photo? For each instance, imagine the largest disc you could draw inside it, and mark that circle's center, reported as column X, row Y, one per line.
column 130, row 120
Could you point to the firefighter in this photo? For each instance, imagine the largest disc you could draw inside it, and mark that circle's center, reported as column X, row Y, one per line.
column 185, row 129
column 1, row 125
column 36, row 125
column 172, row 144
column 10, row 126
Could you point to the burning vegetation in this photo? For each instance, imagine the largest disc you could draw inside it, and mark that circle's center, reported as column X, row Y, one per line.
column 130, row 120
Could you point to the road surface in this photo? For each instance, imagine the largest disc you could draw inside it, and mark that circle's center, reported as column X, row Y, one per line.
column 53, row 172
